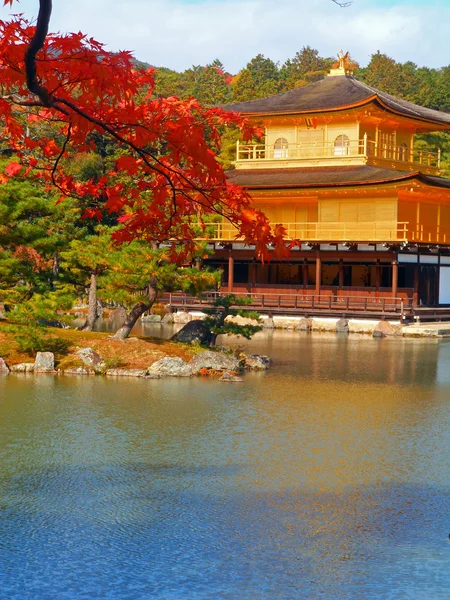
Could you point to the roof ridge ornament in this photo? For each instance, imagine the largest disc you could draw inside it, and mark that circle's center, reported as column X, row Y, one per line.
column 340, row 69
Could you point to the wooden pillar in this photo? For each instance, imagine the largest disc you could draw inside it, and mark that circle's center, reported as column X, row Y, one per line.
column 416, row 286
column 341, row 274
column 394, row 278
column 230, row 273
column 377, row 275
column 305, row 274
column 318, row 273
column 251, row 275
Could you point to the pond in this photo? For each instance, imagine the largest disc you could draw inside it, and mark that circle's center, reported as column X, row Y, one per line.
column 326, row 478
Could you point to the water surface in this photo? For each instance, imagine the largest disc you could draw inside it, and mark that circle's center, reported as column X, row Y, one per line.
column 325, row 479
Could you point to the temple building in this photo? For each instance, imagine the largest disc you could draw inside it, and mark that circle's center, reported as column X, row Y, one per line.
column 339, row 169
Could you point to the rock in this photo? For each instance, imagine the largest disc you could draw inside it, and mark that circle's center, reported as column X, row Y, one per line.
column 360, row 326
column 378, row 334
column 127, row 372
column 385, row 328
column 22, row 368
column 193, row 332
column 78, row 371
column 3, row 366
column 44, row 363
column 256, row 362
column 118, row 315
column 152, row 318
column 342, row 326
column 241, row 320
column 304, row 324
column 214, row 361
column 152, row 376
column 170, row 366
column 79, row 315
column 229, row 377
column 182, row 318
column 268, row 323
column 167, row 319
column 91, row 359
column 398, row 330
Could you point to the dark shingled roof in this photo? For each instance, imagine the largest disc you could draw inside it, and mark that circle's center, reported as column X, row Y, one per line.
column 305, row 177
column 332, row 93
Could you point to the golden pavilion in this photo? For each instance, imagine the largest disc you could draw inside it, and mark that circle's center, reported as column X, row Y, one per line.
column 339, row 169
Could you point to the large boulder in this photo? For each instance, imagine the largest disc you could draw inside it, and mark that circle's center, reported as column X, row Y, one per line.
column 383, row 328
column 167, row 319
column 22, row 368
column 304, row 324
column 91, row 359
column 170, row 366
column 193, row 332
column 182, row 318
column 256, row 362
column 44, row 363
column 214, row 361
column 3, row 366
column 152, row 318
column 342, row 326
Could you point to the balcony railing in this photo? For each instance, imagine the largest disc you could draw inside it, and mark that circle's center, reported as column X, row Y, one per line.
column 351, row 148
column 381, row 231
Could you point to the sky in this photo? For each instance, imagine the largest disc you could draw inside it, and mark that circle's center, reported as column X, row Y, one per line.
column 180, row 33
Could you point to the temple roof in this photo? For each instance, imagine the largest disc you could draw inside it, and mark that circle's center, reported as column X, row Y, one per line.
column 306, row 177
column 334, row 93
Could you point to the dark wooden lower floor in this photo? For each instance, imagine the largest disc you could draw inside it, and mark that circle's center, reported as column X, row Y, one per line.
column 333, row 276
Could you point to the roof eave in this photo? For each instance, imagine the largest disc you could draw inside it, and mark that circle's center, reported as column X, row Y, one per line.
column 407, row 177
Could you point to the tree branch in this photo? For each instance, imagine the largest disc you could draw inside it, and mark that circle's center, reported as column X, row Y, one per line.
column 342, row 4
column 36, row 44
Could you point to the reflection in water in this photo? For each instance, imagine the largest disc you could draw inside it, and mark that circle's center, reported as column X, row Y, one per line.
column 325, row 478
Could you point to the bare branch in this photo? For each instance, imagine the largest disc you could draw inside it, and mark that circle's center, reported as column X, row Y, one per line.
column 342, row 4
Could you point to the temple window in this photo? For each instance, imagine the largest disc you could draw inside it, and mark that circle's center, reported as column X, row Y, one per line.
column 280, row 148
column 342, row 145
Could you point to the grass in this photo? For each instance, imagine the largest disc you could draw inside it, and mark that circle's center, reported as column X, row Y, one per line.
column 133, row 353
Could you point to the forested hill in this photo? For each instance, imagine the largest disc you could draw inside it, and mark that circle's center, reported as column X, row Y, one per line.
column 263, row 77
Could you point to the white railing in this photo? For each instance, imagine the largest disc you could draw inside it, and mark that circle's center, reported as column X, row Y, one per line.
column 350, row 148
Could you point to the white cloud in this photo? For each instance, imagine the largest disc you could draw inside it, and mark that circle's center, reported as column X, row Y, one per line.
column 177, row 34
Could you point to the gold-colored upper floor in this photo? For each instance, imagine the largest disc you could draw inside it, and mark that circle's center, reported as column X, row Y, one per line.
column 412, row 212
column 366, row 135
column 342, row 151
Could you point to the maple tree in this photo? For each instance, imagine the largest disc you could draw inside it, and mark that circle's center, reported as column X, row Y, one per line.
column 61, row 91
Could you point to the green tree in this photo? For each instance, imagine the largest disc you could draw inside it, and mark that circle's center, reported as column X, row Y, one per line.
column 259, row 79
column 138, row 273
column 306, row 67
column 84, row 262
column 226, row 306
column 211, row 84
column 383, row 73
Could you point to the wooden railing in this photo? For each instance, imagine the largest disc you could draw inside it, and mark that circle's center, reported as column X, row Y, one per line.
column 302, row 303
column 381, row 231
column 429, row 158
column 349, row 148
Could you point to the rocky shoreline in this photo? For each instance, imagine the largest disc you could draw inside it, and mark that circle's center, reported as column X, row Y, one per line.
column 221, row 365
